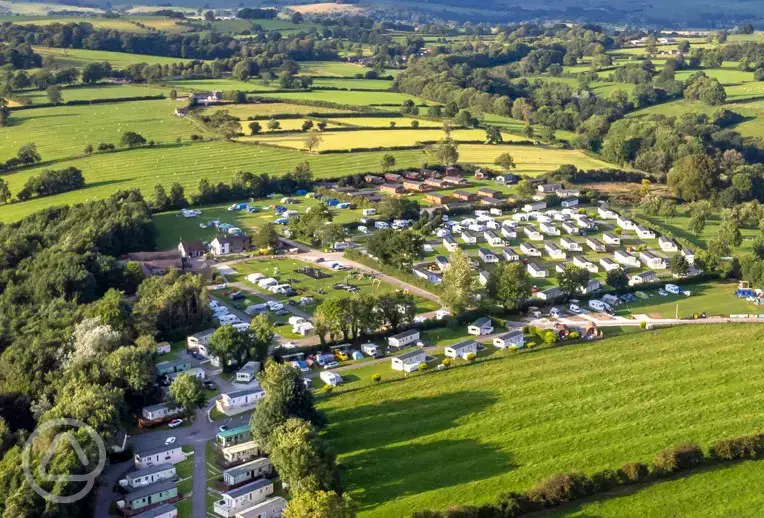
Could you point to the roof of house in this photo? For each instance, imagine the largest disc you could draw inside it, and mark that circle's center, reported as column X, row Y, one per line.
column 481, row 322
column 149, row 471
column 157, row 511
column 648, row 273
column 243, row 468
column 193, row 246
column 234, row 431
column 232, row 239
column 463, row 193
column 463, row 345
column 534, row 266
column 411, row 354
column 607, row 260
column 154, row 451
column 256, row 511
column 150, row 490
column 485, row 251
column 243, row 392
column 248, row 488
column 510, row 334
column 243, row 446
column 406, row 334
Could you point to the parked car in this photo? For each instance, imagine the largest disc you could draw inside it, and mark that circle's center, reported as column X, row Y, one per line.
column 331, row 365
column 169, row 441
column 175, row 423
column 210, row 385
column 319, row 260
column 237, row 295
column 279, row 323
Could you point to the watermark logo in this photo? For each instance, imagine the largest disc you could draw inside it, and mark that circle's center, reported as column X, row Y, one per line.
column 67, row 437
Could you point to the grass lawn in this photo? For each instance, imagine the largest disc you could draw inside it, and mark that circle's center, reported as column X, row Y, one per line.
column 80, row 57
column 503, row 425
column 353, row 97
column 714, row 299
column 331, row 68
column 685, row 496
column 354, row 84
column 100, row 91
column 219, row 84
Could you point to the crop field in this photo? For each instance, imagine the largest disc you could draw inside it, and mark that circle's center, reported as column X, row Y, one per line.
column 118, row 24
column 384, row 122
column 505, row 424
column 331, row 69
column 41, row 9
column 354, row 84
column 372, row 138
column 187, row 163
column 220, row 85
column 530, row 160
column 80, row 57
column 91, row 93
column 719, row 491
column 357, row 98
column 63, row 131
column 284, row 125
column 244, row 111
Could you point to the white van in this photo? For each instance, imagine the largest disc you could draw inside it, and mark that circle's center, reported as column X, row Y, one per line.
column 228, row 319
column 369, row 349
column 267, row 282
column 275, row 306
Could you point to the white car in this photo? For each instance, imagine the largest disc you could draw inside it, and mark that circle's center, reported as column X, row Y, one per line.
column 275, row 306
column 662, row 293
column 169, row 441
column 175, row 423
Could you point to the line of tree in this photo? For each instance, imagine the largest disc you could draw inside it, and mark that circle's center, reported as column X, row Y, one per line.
column 52, row 181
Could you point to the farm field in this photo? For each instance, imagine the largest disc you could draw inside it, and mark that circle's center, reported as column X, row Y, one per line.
column 357, row 98
column 117, row 24
column 80, row 57
column 284, row 125
column 719, row 491
column 712, row 298
column 505, row 424
column 517, row 126
column 331, row 69
column 41, row 9
column 63, row 131
column 244, row 111
column 187, row 164
column 354, row 84
column 220, row 85
column 384, row 122
column 91, row 93
column 530, row 160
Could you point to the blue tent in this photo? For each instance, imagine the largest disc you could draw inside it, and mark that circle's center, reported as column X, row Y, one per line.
column 301, row 192
column 357, row 355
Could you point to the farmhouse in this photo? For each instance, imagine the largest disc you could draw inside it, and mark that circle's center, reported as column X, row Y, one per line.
column 570, row 228
column 625, row 259
column 464, row 195
column 667, row 245
column 462, row 349
column 688, row 254
column 148, row 497
column 493, row 239
column 554, row 251
column 409, row 362
column 243, row 497
column 239, row 400
column 162, row 455
column 595, row 244
column 570, row 244
column 512, row 338
column 436, row 198
column 191, row 249
column 480, row 327
column 569, row 202
column 644, row 232
column 549, row 229
column 450, row 244
column 411, row 185
column 642, row 278
column 391, row 188
column 487, row 256
column 651, row 260
column 229, row 245
column 549, row 187
column 509, row 254
column 529, row 250
column 583, row 262
column 247, row 472
column 537, row 271
column 608, row 264
column 532, row 233
column 536, row 205
column 148, row 476
column 403, row 339
column 489, row 193
column 206, row 97
column 239, row 453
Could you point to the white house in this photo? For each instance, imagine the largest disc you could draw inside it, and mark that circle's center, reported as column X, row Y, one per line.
column 624, row 223
column 554, row 251
column 450, row 244
column 536, row 205
column 512, row 338
column 487, row 256
column 559, row 268
column 409, row 361
column 483, row 277
column 570, row 244
column 667, row 245
column 606, row 213
column 644, row 232
column 508, row 232
column 569, row 202
column 651, row 260
column 595, row 244
column 529, row 250
column 626, row 259
column 493, row 238
column 229, row 245
column 688, row 254
column 462, row 349
column 242, row 498
column 247, row 373
column 241, row 452
column 147, row 476
column 611, row 239
column 537, row 271
column 156, row 456
column 239, row 400
column 532, row 233
column 427, row 275
column 247, row 472
column 583, row 262
column 468, row 238
column 642, row 278
column 584, row 222
column 403, row 339
column 571, row 228
column 481, row 326
column 608, row 264
column 510, row 255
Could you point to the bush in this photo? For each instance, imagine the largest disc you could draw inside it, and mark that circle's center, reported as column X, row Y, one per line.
column 327, row 388
column 376, row 378
column 618, row 230
column 446, row 362
column 678, row 458
column 643, row 324
column 574, row 335
column 635, row 472
column 737, row 448
column 606, row 480
column 530, row 345
column 560, row 489
column 471, row 357
column 422, row 367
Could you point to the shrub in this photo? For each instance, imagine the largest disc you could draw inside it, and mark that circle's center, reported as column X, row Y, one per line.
column 606, row 480
column 643, row 324
column 618, row 230
column 530, row 345
column 471, row 357
column 561, row 488
column 678, row 458
column 745, row 447
column 328, row 388
column 513, row 348
column 422, row 367
column 635, row 472
column 376, row 378
column 574, row 335
column 446, row 362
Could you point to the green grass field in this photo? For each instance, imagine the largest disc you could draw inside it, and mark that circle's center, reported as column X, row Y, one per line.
column 716, row 298
column 243, row 111
column 468, row 434
column 384, row 122
column 331, row 68
column 91, row 93
column 357, row 98
column 354, row 84
column 80, row 57
column 63, row 131
column 224, row 85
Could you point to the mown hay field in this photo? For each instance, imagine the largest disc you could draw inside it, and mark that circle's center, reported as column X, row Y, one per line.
column 244, row 111
column 354, row 84
column 357, row 98
column 467, row 435
column 331, row 68
column 285, row 125
column 95, row 92
column 384, row 122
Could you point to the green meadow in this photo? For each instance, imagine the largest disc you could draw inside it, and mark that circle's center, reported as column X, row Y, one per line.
column 80, row 57
column 506, row 423
column 96, row 92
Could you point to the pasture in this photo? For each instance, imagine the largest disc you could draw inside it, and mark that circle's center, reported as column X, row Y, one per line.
column 716, row 298
column 331, row 69
column 95, row 92
column 78, row 58
column 244, row 111
column 358, row 98
column 470, row 433
column 63, row 131
column 384, row 122
column 353, row 84
column 219, row 85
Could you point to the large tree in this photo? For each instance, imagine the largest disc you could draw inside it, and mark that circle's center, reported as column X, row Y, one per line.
column 266, row 236
column 573, row 279
column 187, row 392
column 505, row 161
column 458, row 281
column 617, row 279
column 230, row 345
column 694, row 177
column 261, row 333
column 303, row 459
column 447, row 151
column 132, row 139
column 509, row 285
column 320, row 504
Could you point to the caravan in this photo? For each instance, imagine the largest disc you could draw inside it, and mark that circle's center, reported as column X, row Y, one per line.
column 598, row 305
column 672, row 288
